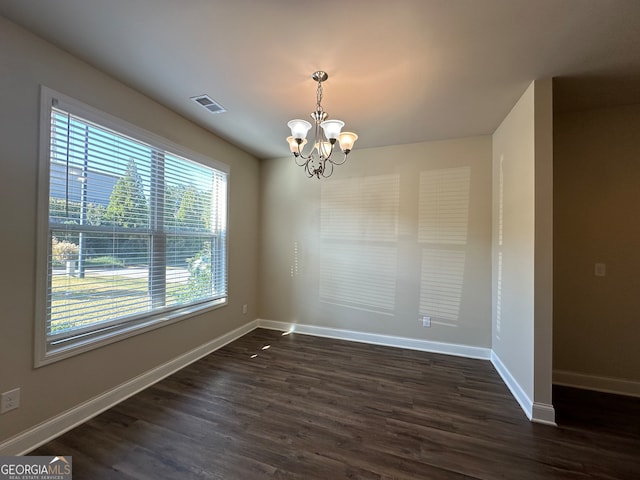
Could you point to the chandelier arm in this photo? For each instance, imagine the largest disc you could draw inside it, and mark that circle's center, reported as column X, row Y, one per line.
column 316, row 170
column 307, row 157
column 304, row 160
column 344, row 159
column 308, row 170
column 322, row 167
column 330, row 170
column 318, row 136
column 327, row 155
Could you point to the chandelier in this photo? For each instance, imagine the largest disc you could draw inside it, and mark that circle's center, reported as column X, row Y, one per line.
column 319, row 161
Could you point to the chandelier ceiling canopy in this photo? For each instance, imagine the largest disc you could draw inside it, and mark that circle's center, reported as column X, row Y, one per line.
column 319, row 161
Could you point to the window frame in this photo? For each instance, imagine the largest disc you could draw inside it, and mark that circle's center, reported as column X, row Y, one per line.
column 43, row 353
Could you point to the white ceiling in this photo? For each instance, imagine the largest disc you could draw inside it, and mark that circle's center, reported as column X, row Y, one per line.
column 400, row 71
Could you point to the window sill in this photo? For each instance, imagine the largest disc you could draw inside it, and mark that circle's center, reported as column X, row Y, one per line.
column 73, row 347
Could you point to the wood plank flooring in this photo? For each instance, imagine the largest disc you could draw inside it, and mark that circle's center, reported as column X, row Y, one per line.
column 314, row 408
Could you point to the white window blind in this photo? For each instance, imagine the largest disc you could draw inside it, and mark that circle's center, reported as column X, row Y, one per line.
column 136, row 233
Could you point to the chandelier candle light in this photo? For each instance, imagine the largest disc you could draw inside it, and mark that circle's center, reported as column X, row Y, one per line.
column 319, row 162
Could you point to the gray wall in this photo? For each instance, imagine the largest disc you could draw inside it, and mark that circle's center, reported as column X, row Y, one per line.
column 514, row 242
column 27, row 62
column 597, row 191
column 354, row 251
column 523, row 249
column 360, row 251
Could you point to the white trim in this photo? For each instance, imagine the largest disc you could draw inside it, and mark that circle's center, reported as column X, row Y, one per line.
column 516, row 390
column 599, row 384
column 117, row 124
column 34, row 437
column 135, row 328
column 49, row 429
column 42, row 225
column 544, row 413
column 44, row 351
column 536, row 412
column 378, row 339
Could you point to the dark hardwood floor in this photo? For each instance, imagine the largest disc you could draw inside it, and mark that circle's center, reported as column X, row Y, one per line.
column 314, row 408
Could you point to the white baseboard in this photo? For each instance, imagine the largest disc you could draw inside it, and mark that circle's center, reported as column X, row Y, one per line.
column 378, row 339
column 594, row 382
column 535, row 411
column 544, row 413
column 516, row 390
column 34, row 437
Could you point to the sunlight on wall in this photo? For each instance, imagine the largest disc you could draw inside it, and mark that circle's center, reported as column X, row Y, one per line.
column 441, row 284
column 359, row 232
column 360, row 276
column 499, row 297
column 443, row 224
column 360, row 209
column 359, row 235
column 500, row 244
column 297, row 264
column 444, row 206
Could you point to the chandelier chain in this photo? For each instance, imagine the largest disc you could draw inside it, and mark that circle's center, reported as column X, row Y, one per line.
column 319, row 97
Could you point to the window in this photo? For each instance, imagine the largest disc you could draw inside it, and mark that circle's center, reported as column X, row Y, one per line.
column 132, row 230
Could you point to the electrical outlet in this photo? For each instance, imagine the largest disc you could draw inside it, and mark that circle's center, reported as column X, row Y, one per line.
column 600, row 270
column 244, row 309
column 426, row 321
column 10, row 400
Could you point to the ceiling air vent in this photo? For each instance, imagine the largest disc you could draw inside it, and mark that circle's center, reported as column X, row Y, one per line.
column 210, row 104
